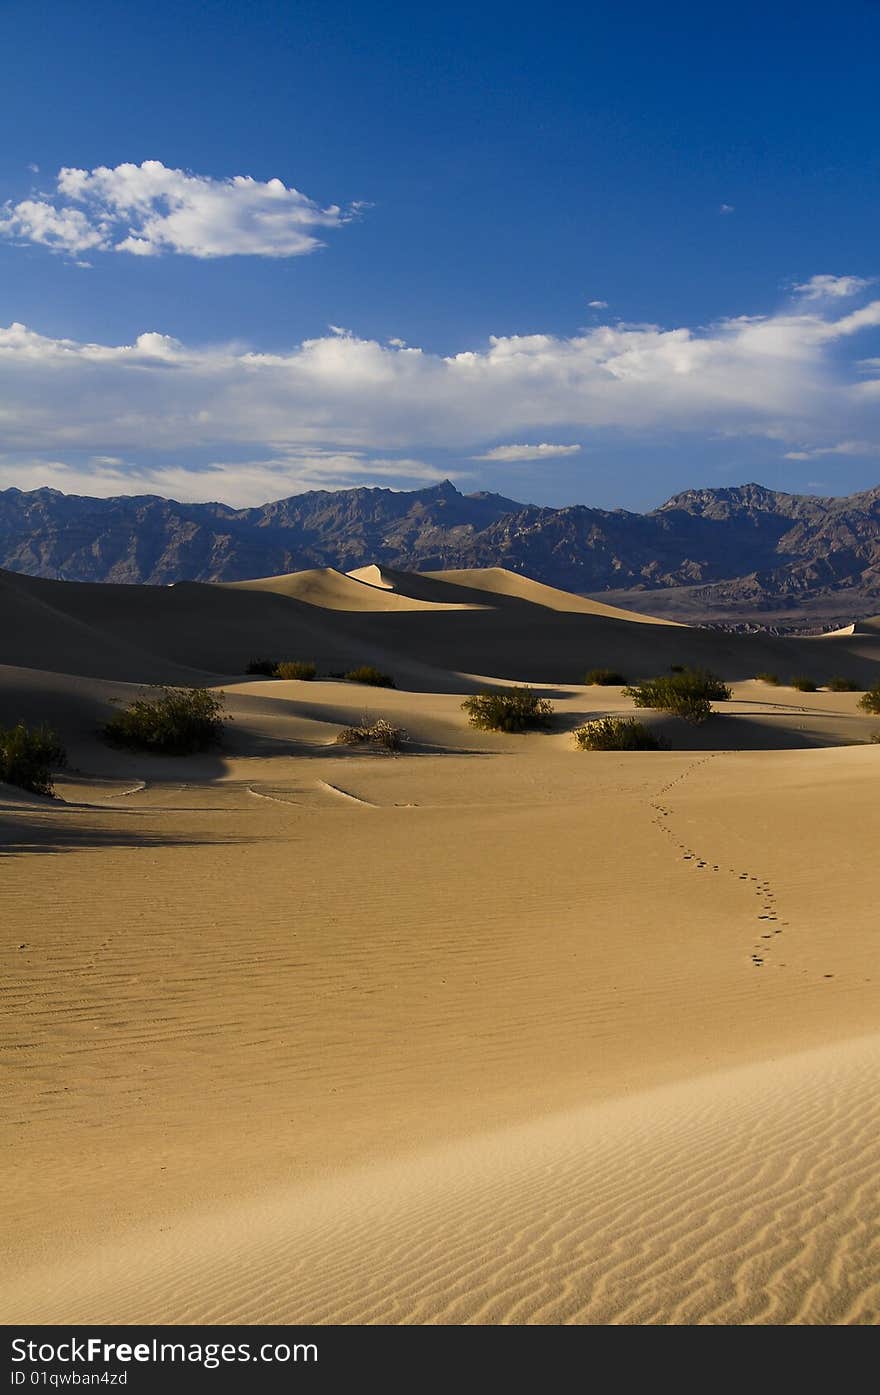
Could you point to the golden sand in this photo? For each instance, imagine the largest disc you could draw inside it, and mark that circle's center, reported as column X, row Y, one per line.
column 494, row 1031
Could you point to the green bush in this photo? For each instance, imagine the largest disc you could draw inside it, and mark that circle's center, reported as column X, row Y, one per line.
column 508, row 709
column 616, row 734
column 604, row 678
column 688, row 693
column 771, row 678
column 176, row 723
column 303, row 669
column 843, row 685
column 28, row 755
column 804, row 685
column 373, row 677
column 870, row 701
column 378, row 733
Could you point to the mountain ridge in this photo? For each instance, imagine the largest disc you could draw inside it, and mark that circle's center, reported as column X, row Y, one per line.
column 737, row 547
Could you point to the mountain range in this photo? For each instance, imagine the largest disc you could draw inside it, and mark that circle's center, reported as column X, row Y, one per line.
column 715, row 554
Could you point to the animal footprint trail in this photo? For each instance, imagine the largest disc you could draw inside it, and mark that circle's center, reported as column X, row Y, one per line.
column 769, row 924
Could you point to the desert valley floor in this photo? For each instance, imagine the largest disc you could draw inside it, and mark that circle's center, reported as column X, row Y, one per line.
column 491, row 1031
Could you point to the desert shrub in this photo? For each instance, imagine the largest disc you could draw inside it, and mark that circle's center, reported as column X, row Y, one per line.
column 870, row 701
column 843, row 685
column 507, row 709
column 373, row 677
column 771, row 678
column 875, row 739
column 28, row 755
column 604, row 678
column 176, row 723
column 676, row 668
column 266, row 668
column 377, row 733
column 303, row 669
column 616, row 734
column 688, row 693
column 804, row 685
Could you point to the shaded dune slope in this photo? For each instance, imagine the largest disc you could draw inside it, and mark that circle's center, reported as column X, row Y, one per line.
column 491, row 623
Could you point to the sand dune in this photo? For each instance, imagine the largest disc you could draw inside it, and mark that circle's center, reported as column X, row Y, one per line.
column 498, row 581
column 858, row 627
column 747, row 1197
column 496, row 1031
column 333, row 590
column 490, row 586
column 501, row 625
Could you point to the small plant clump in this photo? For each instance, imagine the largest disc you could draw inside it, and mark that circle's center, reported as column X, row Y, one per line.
column 870, row 701
column 804, row 685
column 379, row 733
column 508, row 709
column 616, row 734
column 604, row 678
column 687, row 693
column 875, row 739
column 772, row 678
column 28, row 756
column 843, row 685
column 303, row 669
column 373, row 677
column 176, row 723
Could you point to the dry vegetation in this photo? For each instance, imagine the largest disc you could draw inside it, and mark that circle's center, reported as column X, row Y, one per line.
column 179, row 722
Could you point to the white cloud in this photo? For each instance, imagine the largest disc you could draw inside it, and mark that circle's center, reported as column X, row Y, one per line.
column 242, row 484
column 545, row 451
column 149, row 209
column 781, row 376
column 841, row 448
column 831, row 287
column 727, row 208
column 598, row 304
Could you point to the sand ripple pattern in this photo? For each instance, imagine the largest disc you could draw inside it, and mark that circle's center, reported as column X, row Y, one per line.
column 746, row 1197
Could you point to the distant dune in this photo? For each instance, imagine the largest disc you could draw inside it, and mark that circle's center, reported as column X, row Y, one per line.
column 858, row 627
column 500, row 584
column 332, row 590
column 492, row 622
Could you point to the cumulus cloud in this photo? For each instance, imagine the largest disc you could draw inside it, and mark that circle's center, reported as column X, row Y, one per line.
column 149, row 209
column 598, row 304
column 782, row 376
column 545, row 451
column 831, row 287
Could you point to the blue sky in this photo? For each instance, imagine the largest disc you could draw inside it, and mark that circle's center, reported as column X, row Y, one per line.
column 468, row 180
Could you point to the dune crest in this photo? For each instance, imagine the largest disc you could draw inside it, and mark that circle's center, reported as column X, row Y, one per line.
column 870, row 626
column 493, row 586
column 334, row 590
